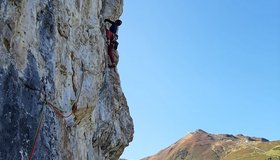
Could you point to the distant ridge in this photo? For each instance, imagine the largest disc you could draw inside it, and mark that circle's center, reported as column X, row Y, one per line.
column 200, row 145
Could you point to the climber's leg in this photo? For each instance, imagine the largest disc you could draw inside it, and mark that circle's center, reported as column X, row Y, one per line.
column 109, row 36
column 111, row 56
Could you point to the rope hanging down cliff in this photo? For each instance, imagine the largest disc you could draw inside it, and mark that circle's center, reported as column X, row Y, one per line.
column 37, row 133
column 58, row 112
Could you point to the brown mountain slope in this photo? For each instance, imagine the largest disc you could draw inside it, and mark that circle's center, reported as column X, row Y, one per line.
column 200, row 145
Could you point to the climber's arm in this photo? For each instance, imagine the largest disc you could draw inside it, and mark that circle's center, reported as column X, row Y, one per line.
column 108, row 20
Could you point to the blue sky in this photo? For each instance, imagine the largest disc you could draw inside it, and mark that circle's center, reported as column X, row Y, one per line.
column 200, row 64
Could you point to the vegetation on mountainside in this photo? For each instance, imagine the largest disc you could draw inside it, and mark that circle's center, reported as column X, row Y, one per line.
column 255, row 151
column 200, row 145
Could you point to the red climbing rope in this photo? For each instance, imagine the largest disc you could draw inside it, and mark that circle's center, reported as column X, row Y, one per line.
column 58, row 112
column 36, row 136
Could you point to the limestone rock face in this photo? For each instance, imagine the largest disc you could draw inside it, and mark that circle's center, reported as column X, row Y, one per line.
column 58, row 98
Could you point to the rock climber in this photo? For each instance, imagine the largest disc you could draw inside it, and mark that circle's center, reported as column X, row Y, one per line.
column 113, row 30
column 112, row 37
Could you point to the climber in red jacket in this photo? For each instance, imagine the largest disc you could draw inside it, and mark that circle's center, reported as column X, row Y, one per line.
column 112, row 37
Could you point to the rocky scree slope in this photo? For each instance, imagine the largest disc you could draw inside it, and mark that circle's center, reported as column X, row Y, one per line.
column 200, row 145
column 58, row 98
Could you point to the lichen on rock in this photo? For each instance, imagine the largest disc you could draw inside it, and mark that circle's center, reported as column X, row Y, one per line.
column 54, row 67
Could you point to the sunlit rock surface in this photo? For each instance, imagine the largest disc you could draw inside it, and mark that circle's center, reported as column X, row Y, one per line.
column 55, row 81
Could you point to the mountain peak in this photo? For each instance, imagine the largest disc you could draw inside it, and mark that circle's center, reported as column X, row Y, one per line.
column 200, row 131
column 204, row 146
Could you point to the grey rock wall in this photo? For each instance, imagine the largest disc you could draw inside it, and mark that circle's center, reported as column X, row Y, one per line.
column 54, row 70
